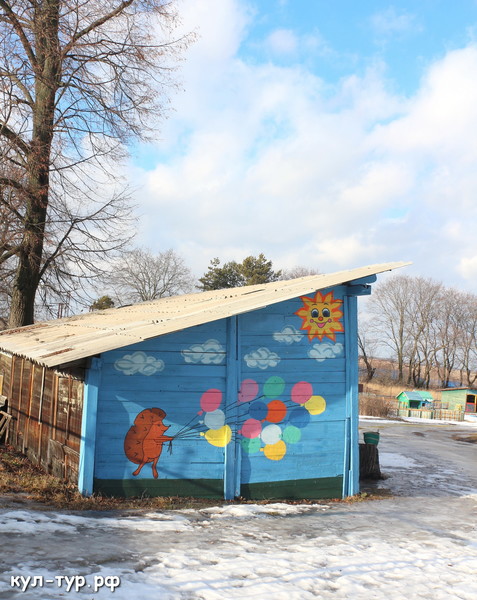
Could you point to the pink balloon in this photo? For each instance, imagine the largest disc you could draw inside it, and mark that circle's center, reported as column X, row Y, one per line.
column 248, row 390
column 251, row 428
column 301, row 392
column 211, row 400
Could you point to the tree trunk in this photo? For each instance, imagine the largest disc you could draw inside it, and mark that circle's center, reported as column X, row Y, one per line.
column 47, row 80
column 369, row 462
column 26, row 280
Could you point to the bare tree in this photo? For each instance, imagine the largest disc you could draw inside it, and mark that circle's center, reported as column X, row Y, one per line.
column 450, row 329
column 388, row 305
column 298, row 271
column 422, row 313
column 79, row 79
column 140, row 276
column 467, row 341
column 364, row 345
column 429, row 328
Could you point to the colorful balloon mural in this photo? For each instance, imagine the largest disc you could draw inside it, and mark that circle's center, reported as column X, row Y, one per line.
column 210, row 400
column 277, row 411
column 218, row 437
column 271, row 420
column 275, row 451
column 301, row 392
column 316, row 405
column 268, row 426
column 251, row 428
column 272, row 425
column 248, row 390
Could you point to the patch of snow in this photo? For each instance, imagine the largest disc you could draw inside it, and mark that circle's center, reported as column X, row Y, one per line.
column 391, row 460
column 247, row 511
column 420, row 544
column 468, row 422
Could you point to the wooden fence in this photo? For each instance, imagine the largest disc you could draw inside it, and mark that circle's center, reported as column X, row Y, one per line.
column 432, row 413
column 45, row 407
column 375, row 405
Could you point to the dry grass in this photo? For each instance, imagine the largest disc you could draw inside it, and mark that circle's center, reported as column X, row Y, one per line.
column 20, row 478
column 24, row 481
column 377, row 406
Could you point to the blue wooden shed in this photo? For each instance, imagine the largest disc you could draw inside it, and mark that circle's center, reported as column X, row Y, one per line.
column 246, row 392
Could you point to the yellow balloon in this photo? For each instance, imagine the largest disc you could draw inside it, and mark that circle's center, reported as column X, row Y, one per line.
column 316, row 405
column 219, row 437
column 275, row 451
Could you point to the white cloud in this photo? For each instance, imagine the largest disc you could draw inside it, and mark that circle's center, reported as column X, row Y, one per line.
column 263, row 158
column 263, row 358
column 139, row 362
column 320, row 352
column 282, row 41
column 389, row 22
column 468, row 267
column 210, row 352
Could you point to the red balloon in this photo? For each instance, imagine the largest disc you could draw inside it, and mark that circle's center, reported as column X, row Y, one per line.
column 211, row 400
column 251, row 429
column 301, row 392
column 248, row 390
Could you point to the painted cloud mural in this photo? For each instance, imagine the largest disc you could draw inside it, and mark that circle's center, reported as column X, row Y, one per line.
column 210, row 352
column 139, row 362
column 263, row 358
column 321, row 352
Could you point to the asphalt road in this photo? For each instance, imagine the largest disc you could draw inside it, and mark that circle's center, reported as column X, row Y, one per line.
column 425, row 459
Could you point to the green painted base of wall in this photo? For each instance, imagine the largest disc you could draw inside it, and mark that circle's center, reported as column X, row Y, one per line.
column 310, row 489
column 128, row 488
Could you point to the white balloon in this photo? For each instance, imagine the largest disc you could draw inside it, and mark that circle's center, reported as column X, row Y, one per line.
column 271, row 434
column 215, row 419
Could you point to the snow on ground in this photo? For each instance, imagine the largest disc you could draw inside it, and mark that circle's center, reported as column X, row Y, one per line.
column 419, row 544
column 390, row 460
column 470, row 421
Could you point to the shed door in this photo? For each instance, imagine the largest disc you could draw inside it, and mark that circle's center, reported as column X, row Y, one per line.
column 470, row 404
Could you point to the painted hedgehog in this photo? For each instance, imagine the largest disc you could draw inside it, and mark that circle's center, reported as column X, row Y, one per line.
column 144, row 440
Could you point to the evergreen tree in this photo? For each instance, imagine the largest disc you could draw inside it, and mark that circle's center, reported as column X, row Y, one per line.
column 252, row 271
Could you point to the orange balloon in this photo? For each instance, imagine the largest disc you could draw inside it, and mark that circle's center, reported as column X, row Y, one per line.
column 277, row 411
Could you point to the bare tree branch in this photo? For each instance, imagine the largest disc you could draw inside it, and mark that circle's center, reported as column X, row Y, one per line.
column 79, row 80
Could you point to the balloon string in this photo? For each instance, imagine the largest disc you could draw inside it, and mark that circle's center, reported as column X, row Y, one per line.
column 186, row 426
column 238, row 403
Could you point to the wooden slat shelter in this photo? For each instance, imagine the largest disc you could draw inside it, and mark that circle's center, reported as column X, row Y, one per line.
column 45, row 408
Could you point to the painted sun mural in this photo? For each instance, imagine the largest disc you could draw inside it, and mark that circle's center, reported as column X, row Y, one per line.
column 321, row 316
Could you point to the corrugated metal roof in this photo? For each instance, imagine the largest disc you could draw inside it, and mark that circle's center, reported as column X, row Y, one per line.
column 54, row 343
column 417, row 395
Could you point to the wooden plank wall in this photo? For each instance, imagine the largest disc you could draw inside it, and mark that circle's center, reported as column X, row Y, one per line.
column 46, row 408
column 170, row 373
column 309, row 459
column 287, row 428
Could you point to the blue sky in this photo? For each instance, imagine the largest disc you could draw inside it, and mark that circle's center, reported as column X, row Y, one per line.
column 325, row 134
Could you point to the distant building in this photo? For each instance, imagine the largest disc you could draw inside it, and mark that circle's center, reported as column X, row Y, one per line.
column 415, row 399
column 463, row 398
